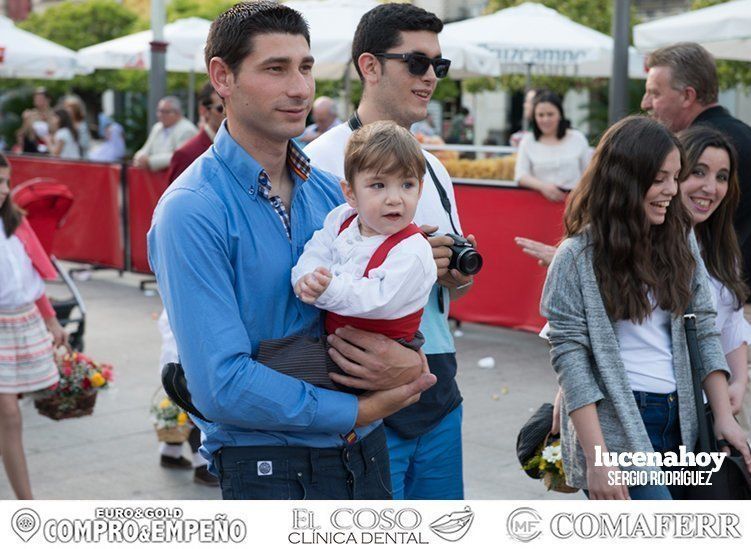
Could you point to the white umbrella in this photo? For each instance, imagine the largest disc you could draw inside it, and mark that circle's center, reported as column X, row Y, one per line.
column 185, row 38
column 332, row 28
column 26, row 55
column 724, row 29
column 534, row 38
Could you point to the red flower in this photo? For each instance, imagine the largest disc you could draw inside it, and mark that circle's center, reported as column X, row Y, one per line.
column 67, row 371
column 86, row 383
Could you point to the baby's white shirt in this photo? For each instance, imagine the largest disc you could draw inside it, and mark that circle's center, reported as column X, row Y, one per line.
column 398, row 287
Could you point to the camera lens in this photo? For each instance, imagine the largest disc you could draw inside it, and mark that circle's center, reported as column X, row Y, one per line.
column 469, row 261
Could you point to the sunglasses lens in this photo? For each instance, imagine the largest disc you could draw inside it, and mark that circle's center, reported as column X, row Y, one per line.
column 441, row 68
column 418, row 65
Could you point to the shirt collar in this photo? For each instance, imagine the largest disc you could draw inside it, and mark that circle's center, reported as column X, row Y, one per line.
column 245, row 169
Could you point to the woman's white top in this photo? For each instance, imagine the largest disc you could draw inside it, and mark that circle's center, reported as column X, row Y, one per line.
column 561, row 164
column 70, row 147
column 20, row 283
column 399, row 286
column 733, row 327
column 646, row 352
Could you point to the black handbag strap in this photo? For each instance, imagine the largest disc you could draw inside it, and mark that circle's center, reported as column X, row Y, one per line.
column 689, row 323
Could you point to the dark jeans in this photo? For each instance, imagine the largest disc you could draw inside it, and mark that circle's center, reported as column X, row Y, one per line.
column 660, row 415
column 359, row 471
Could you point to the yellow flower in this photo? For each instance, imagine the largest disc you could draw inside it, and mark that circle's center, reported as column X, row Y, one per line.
column 97, row 380
column 165, row 403
column 182, row 417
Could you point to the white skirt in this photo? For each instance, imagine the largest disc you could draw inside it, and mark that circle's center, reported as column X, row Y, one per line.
column 27, row 362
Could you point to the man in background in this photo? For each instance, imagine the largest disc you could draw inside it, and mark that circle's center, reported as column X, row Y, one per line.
column 167, row 135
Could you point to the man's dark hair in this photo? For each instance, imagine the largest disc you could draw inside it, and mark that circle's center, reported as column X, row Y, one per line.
column 204, row 96
column 232, row 33
column 380, row 29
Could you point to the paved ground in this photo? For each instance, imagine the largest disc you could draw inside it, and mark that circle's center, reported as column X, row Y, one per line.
column 113, row 453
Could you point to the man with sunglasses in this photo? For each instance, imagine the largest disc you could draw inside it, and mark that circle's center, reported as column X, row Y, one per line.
column 211, row 114
column 398, row 58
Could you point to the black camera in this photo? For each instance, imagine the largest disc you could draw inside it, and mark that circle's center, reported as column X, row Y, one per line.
column 464, row 257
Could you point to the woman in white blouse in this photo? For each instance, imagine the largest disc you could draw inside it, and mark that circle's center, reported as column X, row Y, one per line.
column 553, row 157
column 64, row 142
column 711, row 192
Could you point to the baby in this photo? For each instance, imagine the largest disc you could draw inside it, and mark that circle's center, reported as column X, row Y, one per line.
column 370, row 267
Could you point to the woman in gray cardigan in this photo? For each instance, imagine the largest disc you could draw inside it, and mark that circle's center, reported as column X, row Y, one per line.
column 614, row 298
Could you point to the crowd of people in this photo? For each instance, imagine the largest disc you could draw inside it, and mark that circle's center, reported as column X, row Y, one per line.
column 322, row 365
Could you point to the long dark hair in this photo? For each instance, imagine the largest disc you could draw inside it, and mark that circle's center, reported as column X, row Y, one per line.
column 67, row 122
column 633, row 258
column 720, row 250
column 9, row 213
column 554, row 99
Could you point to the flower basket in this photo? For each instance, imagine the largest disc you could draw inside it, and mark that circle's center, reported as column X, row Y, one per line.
column 59, row 407
column 548, row 462
column 74, row 395
column 174, row 435
column 171, row 422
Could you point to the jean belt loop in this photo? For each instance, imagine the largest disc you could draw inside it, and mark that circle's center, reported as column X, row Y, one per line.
column 314, row 463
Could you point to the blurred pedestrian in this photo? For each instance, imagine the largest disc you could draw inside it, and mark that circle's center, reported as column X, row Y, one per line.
column 113, row 147
column 324, row 118
column 553, row 157
column 77, row 111
column 165, row 137
column 63, row 141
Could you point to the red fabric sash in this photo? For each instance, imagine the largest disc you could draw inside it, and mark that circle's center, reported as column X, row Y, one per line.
column 399, row 328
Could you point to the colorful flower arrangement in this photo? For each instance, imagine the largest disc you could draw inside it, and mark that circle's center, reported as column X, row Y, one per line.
column 74, row 395
column 170, row 421
column 548, row 462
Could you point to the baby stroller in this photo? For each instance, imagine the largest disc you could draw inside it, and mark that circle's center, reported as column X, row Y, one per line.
column 47, row 202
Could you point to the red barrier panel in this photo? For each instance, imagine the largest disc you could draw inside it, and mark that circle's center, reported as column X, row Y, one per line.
column 507, row 290
column 92, row 232
column 144, row 190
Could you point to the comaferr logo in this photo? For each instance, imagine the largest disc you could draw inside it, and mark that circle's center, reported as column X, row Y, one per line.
column 454, row 526
column 524, row 524
column 646, row 525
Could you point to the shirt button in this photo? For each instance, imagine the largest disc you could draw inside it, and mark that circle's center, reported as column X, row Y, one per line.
column 349, row 241
column 251, row 190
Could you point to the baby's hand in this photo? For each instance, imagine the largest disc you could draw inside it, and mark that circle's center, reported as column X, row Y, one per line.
column 312, row 285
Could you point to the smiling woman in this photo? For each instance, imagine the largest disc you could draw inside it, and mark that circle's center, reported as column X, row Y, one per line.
column 553, row 157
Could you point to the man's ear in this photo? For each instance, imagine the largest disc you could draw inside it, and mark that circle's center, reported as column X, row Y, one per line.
column 370, row 67
column 349, row 194
column 689, row 96
column 222, row 78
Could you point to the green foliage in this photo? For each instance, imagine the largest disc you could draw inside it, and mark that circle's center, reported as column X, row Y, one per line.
column 596, row 14
column 207, row 9
column 76, row 25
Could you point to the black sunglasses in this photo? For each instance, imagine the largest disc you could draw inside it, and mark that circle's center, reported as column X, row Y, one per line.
column 418, row 63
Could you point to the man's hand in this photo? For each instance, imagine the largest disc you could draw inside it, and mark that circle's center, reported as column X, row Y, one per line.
column 736, row 392
column 310, row 286
column 380, row 404
column 141, row 160
column 373, row 361
column 442, row 253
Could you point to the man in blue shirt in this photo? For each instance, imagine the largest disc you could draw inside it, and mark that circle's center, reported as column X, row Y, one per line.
column 223, row 241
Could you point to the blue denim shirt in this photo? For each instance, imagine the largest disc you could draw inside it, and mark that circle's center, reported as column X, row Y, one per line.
column 222, row 258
